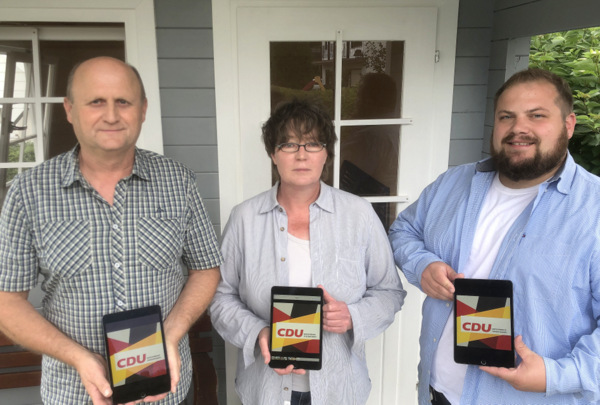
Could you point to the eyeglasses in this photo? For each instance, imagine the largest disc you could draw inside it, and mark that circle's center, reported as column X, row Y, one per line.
column 291, row 147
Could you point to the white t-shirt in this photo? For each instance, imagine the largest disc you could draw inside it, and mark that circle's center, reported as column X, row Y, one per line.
column 500, row 209
column 300, row 276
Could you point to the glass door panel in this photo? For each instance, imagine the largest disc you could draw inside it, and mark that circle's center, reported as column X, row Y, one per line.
column 369, row 110
column 372, row 79
column 297, row 70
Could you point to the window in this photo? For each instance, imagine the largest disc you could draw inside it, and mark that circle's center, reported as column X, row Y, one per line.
column 39, row 43
column 370, row 109
column 35, row 62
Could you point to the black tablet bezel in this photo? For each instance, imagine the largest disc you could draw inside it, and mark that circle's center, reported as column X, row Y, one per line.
column 484, row 356
column 140, row 389
column 281, row 359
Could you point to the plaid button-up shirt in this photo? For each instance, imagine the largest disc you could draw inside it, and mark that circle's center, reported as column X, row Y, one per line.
column 96, row 258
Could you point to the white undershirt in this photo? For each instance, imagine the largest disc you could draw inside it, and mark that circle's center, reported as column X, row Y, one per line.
column 300, row 275
column 500, row 209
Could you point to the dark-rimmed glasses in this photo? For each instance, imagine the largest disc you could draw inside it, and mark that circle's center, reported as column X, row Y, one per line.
column 291, row 147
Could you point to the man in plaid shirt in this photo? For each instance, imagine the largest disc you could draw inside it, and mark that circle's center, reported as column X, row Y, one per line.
column 108, row 227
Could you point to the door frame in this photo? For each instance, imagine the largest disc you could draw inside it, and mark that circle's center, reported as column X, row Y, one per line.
column 230, row 135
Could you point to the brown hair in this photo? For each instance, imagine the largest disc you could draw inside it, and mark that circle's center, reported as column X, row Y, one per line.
column 303, row 119
column 564, row 99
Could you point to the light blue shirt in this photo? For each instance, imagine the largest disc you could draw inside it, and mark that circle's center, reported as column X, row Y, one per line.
column 350, row 256
column 552, row 255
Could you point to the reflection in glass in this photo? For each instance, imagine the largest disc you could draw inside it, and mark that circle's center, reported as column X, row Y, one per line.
column 372, row 79
column 59, row 57
column 369, row 159
column 17, row 143
column 386, row 212
column 15, row 67
column 16, row 134
column 303, row 70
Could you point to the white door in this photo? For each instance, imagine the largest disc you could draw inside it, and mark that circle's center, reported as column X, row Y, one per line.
column 388, row 157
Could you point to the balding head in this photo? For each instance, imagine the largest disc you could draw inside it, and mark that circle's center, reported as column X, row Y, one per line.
column 106, row 60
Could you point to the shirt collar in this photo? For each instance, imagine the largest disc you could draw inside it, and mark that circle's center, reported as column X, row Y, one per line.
column 72, row 173
column 324, row 201
column 563, row 176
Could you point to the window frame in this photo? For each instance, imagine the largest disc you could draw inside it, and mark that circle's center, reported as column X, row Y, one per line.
column 137, row 16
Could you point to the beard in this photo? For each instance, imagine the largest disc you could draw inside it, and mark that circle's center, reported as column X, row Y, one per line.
column 532, row 168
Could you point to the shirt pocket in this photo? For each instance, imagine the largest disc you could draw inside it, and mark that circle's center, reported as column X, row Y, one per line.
column 349, row 274
column 160, row 242
column 67, row 250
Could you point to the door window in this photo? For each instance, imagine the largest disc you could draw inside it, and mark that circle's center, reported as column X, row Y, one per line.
column 367, row 117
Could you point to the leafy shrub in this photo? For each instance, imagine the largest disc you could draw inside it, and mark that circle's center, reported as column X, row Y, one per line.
column 575, row 56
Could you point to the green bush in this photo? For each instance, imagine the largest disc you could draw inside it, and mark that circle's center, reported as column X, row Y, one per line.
column 575, row 56
column 13, row 156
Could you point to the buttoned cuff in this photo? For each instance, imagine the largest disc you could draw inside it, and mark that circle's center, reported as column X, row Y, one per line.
column 562, row 377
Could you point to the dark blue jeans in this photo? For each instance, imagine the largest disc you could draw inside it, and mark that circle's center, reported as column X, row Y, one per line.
column 300, row 398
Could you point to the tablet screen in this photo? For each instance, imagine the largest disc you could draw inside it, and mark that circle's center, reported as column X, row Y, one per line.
column 137, row 357
column 483, row 325
column 483, row 322
column 296, row 327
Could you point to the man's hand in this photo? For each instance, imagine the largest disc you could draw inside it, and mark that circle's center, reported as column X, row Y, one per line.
column 437, row 281
column 530, row 375
column 336, row 316
column 92, row 370
column 263, row 343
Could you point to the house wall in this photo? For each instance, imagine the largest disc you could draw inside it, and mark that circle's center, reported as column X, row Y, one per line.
column 186, row 78
column 187, row 98
column 470, row 81
column 492, row 43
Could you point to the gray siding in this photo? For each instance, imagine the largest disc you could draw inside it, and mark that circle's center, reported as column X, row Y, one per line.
column 187, row 97
column 187, row 91
column 470, row 80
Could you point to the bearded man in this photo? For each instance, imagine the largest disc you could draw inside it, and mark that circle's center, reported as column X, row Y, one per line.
column 528, row 214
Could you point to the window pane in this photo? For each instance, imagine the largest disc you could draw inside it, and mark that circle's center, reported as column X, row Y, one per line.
column 59, row 57
column 15, row 65
column 386, row 213
column 17, row 144
column 369, row 159
column 17, row 133
column 372, row 79
column 304, row 70
column 59, row 133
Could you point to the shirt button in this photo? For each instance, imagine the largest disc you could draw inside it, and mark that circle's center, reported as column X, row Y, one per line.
column 283, row 259
column 434, row 340
column 117, row 265
column 120, row 303
column 285, row 388
column 282, row 229
column 280, row 209
column 116, row 227
column 447, row 304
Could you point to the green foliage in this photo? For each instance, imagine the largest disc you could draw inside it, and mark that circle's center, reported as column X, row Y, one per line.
column 575, row 56
column 375, row 56
column 13, row 156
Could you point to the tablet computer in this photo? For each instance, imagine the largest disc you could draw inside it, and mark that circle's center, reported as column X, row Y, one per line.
column 483, row 331
column 296, row 327
column 135, row 346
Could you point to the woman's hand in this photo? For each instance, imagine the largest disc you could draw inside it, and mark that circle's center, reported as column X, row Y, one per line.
column 336, row 316
column 263, row 343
